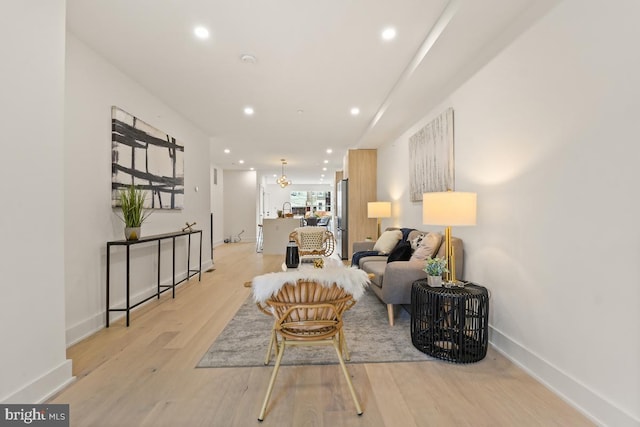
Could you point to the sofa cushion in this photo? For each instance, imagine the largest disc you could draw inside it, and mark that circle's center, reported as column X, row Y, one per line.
column 428, row 246
column 387, row 241
column 377, row 269
column 365, row 260
column 402, row 252
column 358, row 256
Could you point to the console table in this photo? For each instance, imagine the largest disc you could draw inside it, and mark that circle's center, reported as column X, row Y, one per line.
column 161, row 288
column 450, row 323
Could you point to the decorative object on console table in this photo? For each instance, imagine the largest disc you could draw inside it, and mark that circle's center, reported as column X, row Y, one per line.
column 450, row 323
column 188, row 226
column 450, row 208
column 133, row 214
column 379, row 210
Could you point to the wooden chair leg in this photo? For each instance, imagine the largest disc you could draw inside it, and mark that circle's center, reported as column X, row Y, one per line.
column 344, row 346
column 273, row 345
column 390, row 313
column 336, row 345
column 272, row 381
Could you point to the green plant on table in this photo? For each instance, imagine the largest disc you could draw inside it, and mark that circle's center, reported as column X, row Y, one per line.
column 436, row 266
column 131, row 203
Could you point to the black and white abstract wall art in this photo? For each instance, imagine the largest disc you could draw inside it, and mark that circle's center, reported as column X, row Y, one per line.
column 431, row 162
column 148, row 158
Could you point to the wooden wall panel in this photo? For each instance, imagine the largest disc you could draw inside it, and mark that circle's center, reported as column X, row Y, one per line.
column 362, row 167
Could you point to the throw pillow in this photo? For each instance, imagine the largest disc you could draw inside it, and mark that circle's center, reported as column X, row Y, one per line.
column 402, row 252
column 415, row 242
column 387, row 241
column 428, row 247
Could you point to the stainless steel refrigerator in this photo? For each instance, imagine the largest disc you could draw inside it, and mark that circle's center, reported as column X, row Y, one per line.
column 342, row 224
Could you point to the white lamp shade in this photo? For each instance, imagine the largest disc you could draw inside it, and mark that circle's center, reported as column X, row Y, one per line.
column 450, row 208
column 379, row 210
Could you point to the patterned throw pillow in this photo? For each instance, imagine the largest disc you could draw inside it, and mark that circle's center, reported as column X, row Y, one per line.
column 429, row 244
column 415, row 242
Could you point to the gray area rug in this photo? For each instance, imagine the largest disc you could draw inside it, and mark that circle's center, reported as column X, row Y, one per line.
column 244, row 341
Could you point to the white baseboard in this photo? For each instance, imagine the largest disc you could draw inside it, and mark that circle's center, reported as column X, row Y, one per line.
column 45, row 386
column 597, row 408
column 93, row 324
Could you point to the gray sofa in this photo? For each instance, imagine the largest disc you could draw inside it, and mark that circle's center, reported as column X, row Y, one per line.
column 392, row 281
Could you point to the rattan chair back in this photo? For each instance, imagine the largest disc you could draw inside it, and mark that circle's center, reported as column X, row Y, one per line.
column 309, row 311
column 316, row 241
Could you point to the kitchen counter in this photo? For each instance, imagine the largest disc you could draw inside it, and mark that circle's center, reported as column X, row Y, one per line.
column 275, row 233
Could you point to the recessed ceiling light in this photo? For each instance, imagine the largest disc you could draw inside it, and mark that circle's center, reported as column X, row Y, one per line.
column 248, row 59
column 326, row 161
column 329, row 151
column 248, row 111
column 355, row 111
column 322, row 176
column 251, row 169
column 201, row 32
column 227, row 151
column 300, row 111
column 389, row 33
column 241, row 162
column 324, row 169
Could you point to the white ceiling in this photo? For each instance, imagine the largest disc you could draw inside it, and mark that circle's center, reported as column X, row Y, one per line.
column 319, row 56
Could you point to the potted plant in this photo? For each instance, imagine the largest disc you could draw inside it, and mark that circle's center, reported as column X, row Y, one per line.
column 133, row 213
column 435, row 267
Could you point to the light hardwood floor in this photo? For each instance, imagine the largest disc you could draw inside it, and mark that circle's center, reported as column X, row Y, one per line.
column 145, row 375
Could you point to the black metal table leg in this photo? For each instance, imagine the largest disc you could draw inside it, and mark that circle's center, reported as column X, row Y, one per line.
column 173, row 284
column 108, row 278
column 200, row 262
column 189, row 258
column 128, row 286
column 159, row 269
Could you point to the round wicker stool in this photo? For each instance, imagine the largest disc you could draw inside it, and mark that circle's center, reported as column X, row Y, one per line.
column 450, row 324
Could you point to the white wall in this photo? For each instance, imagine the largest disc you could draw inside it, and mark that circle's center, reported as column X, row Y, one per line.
column 93, row 85
column 217, row 203
column 546, row 134
column 240, row 204
column 32, row 323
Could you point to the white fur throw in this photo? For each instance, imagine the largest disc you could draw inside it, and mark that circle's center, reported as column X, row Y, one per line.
column 351, row 279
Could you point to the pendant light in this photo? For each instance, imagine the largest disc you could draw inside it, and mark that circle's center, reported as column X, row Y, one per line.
column 283, row 181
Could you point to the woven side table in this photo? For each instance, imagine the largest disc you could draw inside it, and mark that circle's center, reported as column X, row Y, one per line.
column 450, row 324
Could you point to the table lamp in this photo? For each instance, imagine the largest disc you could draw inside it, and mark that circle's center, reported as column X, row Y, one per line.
column 450, row 208
column 379, row 210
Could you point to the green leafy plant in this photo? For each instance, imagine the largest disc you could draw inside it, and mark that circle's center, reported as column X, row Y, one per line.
column 131, row 203
column 436, row 266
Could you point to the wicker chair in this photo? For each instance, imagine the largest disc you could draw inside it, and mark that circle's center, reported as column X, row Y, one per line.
column 313, row 241
column 273, row 341
column 308, row 314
